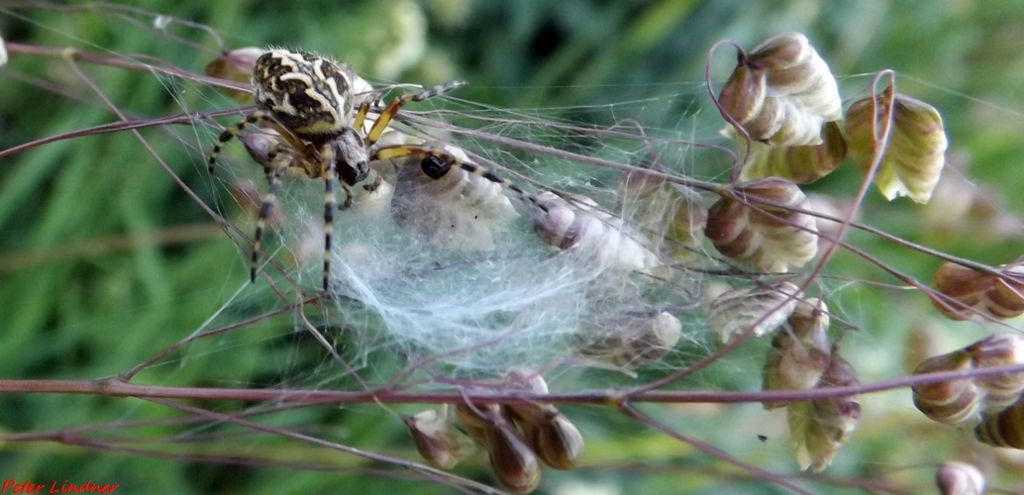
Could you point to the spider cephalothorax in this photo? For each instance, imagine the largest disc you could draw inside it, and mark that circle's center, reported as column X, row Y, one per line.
column 310, row 101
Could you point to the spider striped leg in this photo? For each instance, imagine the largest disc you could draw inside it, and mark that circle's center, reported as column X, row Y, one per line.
column 389, row 113
column 437, row 162
column 251, row 119
column 327, row 155
column 266, row 208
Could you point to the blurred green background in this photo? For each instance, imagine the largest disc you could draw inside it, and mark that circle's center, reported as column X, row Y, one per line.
column 104, row 260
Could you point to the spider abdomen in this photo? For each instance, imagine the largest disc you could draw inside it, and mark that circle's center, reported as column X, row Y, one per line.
column 308, row 94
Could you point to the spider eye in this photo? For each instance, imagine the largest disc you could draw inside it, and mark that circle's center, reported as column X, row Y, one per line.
column 435, row 167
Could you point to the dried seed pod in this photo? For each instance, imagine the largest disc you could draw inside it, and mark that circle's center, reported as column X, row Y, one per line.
column 800, row 351
column 782, row 92
column 512, row 460
column 476, row 420
column 433, row 437
column 1003, row 429
column 630, row 341
column 998, row 297
column 532, row 382
column 820, row 427
column 670, row 211
column 592, row 234
column 917, row 145
column 800, row 164
column 556, row 440
column 771, row 238
column 235, row 65
column 999, row 350
column 736, row 310
column 959, row 478
column 952, row 402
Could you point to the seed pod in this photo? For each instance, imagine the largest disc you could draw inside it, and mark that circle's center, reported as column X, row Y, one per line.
column 433, row 437
column 799, row 164
column 958, row 478
column 236, row 65
column 820, row 427
column 1003, row 429
column 771, row 238
column 512, row 460
column 782, row 92
column 556, row 441
column 532, row 382
column 630, row 341
column 999, row 350
column 736, row 310
column 917, row 144
column 592, row 234
column 998, row 297
column 800, row 351
column 665, row 210
column 952, row 402
column 476, row 424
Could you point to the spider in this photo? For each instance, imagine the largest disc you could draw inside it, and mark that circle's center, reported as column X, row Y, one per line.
column 309, row 101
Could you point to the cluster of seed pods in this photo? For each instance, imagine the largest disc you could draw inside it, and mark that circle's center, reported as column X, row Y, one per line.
column 518, row 437
column 994, row 404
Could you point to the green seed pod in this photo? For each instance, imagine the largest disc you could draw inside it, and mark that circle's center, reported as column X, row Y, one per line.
column 958, row 478
column 952, row 402
column 736, row 310
column 556, row 440
column 820, row 427
column 771, row 238
column 917, row 145
column 782, row 92
column 800, row 351
column 998, row 297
